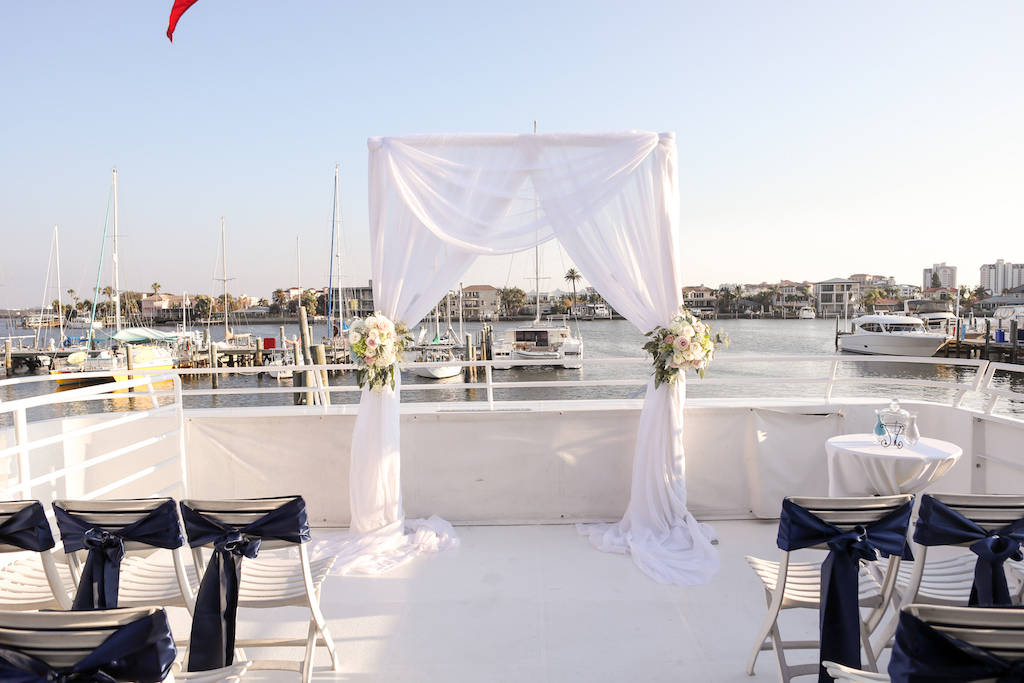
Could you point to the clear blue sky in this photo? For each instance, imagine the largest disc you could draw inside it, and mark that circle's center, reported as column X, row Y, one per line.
column 816, row 139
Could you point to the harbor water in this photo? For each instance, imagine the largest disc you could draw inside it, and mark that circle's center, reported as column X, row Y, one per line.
column 750, row 339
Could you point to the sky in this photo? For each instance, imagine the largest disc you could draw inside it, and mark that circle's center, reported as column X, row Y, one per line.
column 816, row 139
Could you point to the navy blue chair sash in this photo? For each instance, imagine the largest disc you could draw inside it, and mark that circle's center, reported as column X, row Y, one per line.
column 28, row 529
column 923, row 654
column 98, row 586
column 141, row 651
column 839, row 614
column 938, row 524
column 212, row 642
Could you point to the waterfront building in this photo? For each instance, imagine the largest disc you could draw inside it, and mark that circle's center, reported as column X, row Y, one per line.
column 160, row 307
column 703, row 301
column 946, row 276
column 481, row 302
column 837, row 297
column 1000, row 276
column 867, row 281
column 908, row 291
column 939, row 293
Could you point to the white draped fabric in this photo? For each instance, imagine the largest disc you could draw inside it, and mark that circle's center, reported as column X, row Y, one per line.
column 438, row 201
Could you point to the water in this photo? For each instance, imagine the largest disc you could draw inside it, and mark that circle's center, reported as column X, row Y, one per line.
column 606, row 339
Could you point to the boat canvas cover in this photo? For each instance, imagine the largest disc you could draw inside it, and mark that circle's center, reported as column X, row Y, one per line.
column 142, row 335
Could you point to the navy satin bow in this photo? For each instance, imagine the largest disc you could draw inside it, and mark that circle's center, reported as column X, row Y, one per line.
column 141, row 651
column 28, row 529
column 212, row 642
column 100, row 576
column 938, row 524
column 839, row 615
column 923, row 654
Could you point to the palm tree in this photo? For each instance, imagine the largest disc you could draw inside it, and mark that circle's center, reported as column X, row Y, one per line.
column 573, row 276
column 156, row 287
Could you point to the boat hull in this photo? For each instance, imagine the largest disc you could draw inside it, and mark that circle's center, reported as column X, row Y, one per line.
column 891, row 344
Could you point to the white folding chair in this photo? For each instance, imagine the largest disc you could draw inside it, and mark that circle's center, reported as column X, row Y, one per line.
column 792, row 585
column 280, row 575
column 60, row 641
column 32, row 578
column 948, row 580
column 149, row 575
column 994, row 631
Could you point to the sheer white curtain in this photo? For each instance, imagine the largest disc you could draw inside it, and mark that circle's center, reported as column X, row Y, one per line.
column 436, row 201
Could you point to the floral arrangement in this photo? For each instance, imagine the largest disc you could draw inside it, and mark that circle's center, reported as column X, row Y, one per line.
column 686, row 343
column 376, row 345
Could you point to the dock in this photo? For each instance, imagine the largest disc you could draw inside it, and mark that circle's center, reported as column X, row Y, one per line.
column 985, row 347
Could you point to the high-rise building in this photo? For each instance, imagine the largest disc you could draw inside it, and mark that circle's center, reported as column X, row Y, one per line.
column 946, row 275
column 1000, row 276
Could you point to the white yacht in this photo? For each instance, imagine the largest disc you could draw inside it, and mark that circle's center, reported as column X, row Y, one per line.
column 891, row 335
column 549, row 341
column 938, row 316
column 806, row 313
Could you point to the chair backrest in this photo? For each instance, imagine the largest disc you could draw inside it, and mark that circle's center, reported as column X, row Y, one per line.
column 64, row 639
column 850, row 512
column 238, row 514
column 115, row 515
column 990, row 511
column 141, row 524
column 997, row 630
column 24, row 527
column 33, row 531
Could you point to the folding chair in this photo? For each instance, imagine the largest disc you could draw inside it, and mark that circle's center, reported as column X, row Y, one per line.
column 122, row 644
column 991, row 525
column 958, row 644
column 36, row 581
column 253, row 529
column 854, row 530
column 135, row 529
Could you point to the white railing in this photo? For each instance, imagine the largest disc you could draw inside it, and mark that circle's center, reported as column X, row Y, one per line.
column 143, row 437
column 980, row 380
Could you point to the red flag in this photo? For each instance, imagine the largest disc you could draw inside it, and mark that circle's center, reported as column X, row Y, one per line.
column 179, row 8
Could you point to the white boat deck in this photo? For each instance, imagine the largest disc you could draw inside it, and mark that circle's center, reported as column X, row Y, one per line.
column 539, row 603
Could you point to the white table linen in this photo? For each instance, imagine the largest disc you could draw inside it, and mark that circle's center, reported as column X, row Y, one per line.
column 859, row 466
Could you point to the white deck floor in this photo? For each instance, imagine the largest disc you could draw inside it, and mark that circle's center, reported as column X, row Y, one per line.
column 538, row 603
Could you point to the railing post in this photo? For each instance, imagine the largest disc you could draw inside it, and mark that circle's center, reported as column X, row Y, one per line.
column 831, row 379
column 21, row 438
column 490, row 387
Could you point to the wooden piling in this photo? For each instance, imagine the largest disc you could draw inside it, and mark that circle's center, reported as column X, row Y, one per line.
column 130, row 356
column 308, row 380
column 8, row 361
column 320, row 358
column 471, row 355
column 214, row 377
column 259, row 351
column 1013, row 341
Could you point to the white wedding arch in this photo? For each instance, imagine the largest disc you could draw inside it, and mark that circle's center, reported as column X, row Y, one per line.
column 612, row 200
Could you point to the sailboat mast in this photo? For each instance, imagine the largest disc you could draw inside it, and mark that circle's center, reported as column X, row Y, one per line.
column 335, row 258
column 60, row 303
column 224, row 270
column 117, row 287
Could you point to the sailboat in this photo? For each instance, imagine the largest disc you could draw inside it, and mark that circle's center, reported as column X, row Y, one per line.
column 549, row 341
column 145, row 354
column 440, row 349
